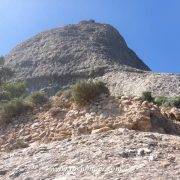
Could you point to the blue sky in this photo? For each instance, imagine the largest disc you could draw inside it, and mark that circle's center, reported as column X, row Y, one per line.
column 150, row 27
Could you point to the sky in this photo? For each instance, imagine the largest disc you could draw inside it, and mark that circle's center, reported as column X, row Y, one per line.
column 150, row 27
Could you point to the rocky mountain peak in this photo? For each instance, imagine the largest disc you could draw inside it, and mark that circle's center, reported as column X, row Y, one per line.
column 58, row 57
column 71, row 48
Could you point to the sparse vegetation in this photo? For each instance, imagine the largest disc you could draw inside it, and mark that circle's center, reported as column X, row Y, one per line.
column 14, row 101
column 168, row 101
column 63, row 99
column 15, row 90
column 2, row 60
column 160, row 100
column 84, row 92
column 147, row 96
column 5, row 74
column 37, row 98
column 12, row 109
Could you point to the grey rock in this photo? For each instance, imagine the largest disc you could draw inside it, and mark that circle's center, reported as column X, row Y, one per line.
column 3, row 172
column 128, row 153
column 143, row 151
column 18, row 171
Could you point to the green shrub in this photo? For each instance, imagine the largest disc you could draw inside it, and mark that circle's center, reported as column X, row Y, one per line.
column 5, row 74
column 147, row 96
column 168, row 102
column 2, row 60
column 84, row 92
column 15, row 90
column 37, row 98
column 160, row 100
column 12, row 109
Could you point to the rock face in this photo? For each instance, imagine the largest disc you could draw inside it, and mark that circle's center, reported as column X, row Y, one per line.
column 58, row 57
column 74, row 47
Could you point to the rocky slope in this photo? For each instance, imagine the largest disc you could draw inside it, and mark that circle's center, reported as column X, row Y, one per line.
column 117, row 154
column 56, row 58
column 134, row 83
column 62, row 140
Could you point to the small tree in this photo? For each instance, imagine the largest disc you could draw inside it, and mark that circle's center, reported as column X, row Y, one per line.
column 84, row 92
column 5, row 74
column 147, row 96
